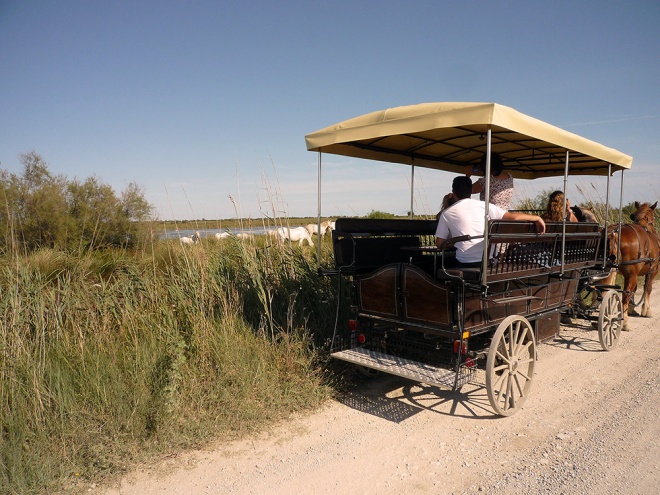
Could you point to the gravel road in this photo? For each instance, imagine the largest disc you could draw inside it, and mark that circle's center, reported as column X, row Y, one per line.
column 590, row 426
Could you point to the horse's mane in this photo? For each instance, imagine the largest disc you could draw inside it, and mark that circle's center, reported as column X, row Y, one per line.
column 644, row 215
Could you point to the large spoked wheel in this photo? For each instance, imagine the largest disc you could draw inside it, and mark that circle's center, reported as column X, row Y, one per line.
column 610, row 320
column 510, row 365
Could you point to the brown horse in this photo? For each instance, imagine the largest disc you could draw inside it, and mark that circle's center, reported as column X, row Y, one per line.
column 639, row 256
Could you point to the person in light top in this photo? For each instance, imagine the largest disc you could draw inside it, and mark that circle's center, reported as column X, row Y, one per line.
column 501, row 182
column 466, row 217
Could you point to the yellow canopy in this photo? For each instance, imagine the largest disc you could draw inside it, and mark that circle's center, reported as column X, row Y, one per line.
column 448, row 136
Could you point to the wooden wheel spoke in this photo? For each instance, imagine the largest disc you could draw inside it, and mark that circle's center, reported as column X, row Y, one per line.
column 504, row 384
column 523, row 348
column 497, row 369
column 510, row 396
column 520, row 387
column 524, row 375
column 504, row 358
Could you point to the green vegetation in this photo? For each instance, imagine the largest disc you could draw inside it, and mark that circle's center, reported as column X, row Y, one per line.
column 116, row 346
column 41, row 210
column 110, row 357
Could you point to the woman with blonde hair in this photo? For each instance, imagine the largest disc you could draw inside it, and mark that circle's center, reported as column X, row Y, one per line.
column 555, row 211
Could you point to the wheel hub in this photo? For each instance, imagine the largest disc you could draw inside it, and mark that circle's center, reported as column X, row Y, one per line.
column 513, row 367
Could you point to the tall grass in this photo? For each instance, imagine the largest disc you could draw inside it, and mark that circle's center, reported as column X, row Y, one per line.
column 108, row 358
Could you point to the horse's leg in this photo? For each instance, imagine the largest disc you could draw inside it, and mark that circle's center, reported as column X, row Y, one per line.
column 632, row 311
column 646, row 301
column 629, row 282
column 611, row 278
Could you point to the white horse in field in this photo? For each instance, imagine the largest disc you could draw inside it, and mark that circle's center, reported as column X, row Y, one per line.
column 313, row 228
column 190, row 240
column 299, row 234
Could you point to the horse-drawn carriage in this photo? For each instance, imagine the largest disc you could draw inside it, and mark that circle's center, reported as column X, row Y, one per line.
column 414, row 317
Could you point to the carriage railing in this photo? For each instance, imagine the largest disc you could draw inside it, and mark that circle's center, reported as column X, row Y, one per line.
column 515, row 249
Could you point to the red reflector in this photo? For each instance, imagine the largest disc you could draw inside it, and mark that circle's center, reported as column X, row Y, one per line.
column 457, row 344
column 470, row 363
column 362, row 339
column 352, row 325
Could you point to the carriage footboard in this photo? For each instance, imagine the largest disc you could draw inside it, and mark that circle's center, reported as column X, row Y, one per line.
column 408, row 368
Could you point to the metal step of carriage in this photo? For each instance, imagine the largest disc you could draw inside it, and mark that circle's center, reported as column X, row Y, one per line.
column 408, row 368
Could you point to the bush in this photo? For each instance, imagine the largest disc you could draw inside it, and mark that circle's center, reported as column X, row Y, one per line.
column 48, row 211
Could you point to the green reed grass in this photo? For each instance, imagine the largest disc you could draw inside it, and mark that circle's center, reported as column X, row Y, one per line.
column 112, row 357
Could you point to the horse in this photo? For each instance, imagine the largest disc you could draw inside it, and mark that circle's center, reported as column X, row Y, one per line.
column 583, row 215
column 313, row 228
column 639, row 256
column 190, row 240
column 299, row 234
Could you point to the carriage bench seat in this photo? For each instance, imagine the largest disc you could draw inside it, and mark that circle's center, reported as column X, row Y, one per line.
column 517, row 251
column 362, row 245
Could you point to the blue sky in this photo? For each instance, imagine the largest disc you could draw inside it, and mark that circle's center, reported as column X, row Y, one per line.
column 205, row 104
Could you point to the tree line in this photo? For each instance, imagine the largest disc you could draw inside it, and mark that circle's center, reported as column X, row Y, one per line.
column 44, row 210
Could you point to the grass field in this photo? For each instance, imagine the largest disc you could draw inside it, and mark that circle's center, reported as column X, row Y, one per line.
column 109, row 358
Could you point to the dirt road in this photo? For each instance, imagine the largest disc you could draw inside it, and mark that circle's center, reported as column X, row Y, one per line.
column 590, row 426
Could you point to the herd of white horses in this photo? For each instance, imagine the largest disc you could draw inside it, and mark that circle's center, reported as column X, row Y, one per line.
column 282, row 234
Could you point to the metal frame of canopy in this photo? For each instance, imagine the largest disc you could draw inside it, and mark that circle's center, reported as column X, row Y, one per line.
column 448, row 136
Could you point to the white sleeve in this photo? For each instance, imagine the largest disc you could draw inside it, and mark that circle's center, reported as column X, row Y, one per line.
column 495, row 212
column 442, row 231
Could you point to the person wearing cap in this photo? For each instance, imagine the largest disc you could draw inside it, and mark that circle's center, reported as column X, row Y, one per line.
column 466, row 217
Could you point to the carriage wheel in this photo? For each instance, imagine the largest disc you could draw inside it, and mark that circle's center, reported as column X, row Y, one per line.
column 610, row 320
column 510, row 365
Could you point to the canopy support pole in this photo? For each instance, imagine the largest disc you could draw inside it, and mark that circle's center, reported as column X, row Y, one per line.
column 607, row 213
column 412, row 189
column 618, row 249
column 484, row 260
column 563, row 224
column 318, row 247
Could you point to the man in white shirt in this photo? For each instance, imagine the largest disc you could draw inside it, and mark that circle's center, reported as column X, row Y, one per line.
column 466, row 217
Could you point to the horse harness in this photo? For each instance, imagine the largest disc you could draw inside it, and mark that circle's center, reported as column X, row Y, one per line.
column 650, row 234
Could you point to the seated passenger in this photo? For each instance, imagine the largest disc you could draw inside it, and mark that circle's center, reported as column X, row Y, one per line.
column 583, row 215
column 466, row 217
column 447, row 201
column 554, row 212
column 501, row 183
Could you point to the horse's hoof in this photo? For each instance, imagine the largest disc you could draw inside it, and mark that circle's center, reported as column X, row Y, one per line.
column 626, row 328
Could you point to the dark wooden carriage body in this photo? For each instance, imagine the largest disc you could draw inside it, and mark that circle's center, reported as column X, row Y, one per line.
column 408, row 306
